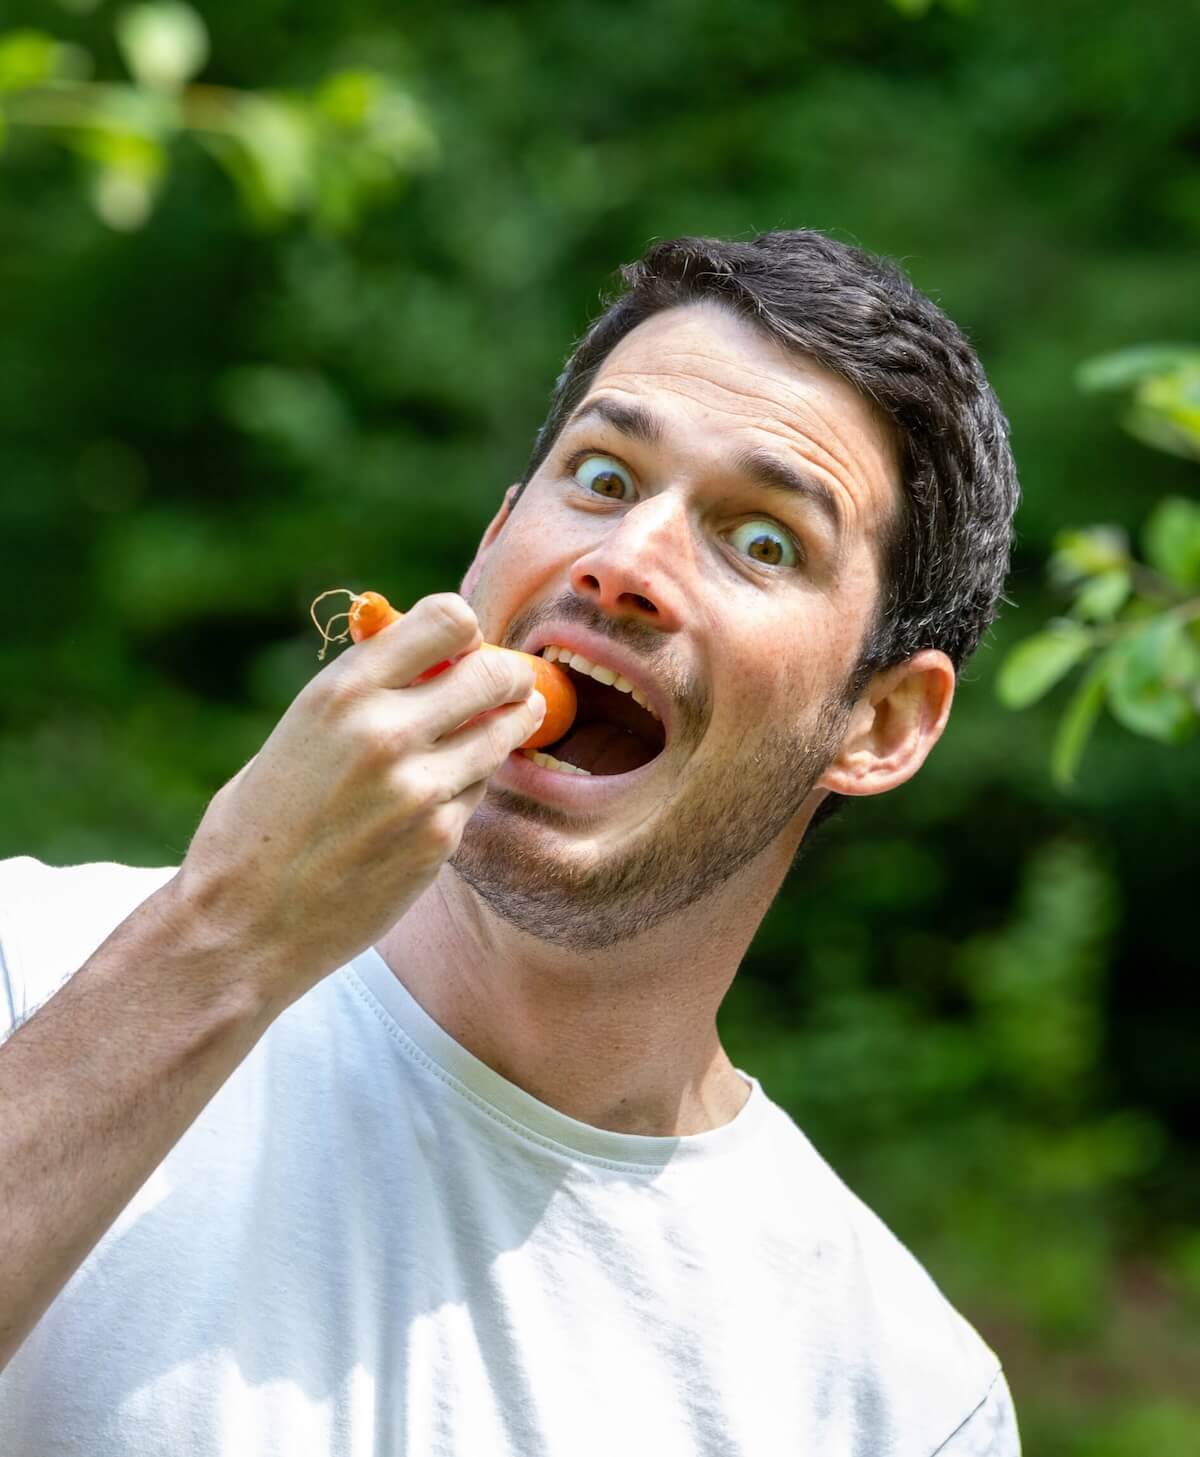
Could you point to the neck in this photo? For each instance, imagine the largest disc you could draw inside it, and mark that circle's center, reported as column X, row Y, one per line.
column 623, row 1039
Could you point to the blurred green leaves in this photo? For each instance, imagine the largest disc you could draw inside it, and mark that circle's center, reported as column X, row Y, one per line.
column 29, row 58
column 1165, row 381
column 163, row 45
column 1152, row 676
column 1039, row 662
column 325, row 154
column 1171, row 540
column 1135, row 622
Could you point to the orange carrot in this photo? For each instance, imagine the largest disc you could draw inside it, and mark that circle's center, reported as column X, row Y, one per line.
column 371, row 612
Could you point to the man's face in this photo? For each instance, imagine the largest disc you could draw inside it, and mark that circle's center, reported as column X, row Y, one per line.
column 709, row 520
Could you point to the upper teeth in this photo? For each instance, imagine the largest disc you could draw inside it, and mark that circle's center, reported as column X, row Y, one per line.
column 555, row 654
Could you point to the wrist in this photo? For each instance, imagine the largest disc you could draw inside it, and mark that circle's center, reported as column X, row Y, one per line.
column 197, row 931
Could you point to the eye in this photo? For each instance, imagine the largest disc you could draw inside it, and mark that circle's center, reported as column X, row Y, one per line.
column 766, row 543
column 602, row 474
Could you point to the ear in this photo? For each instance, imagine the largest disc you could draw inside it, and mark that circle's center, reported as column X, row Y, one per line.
column 485, row 542
column 894, row 726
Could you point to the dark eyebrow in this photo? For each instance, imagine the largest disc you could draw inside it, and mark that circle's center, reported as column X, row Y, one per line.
column 767, row 471
column 636, row 421
column 776, row 475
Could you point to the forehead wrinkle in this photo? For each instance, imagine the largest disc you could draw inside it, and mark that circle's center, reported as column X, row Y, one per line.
column 790, row 400
column 794, row 403
column 815, row 454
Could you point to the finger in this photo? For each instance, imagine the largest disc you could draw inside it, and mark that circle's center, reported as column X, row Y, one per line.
column 471, row 798
column 478, row 749
column 439, row 627
column 475, row 685
column 464, row 805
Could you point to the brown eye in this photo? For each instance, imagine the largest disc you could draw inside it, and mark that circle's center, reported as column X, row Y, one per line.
column 766, row 543
column 602, row 474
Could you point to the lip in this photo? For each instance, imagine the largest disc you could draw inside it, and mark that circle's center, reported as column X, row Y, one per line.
column 570, row 791
column 606, row 654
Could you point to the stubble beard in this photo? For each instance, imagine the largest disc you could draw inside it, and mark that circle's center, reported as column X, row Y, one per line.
column 720, row 822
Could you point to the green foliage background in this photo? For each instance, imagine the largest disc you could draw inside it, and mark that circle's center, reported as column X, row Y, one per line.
column 313, row 351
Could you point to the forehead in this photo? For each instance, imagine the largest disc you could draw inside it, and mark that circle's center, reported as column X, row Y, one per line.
column 718, row 379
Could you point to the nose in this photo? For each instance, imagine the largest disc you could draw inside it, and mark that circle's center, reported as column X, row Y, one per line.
column 637, row 569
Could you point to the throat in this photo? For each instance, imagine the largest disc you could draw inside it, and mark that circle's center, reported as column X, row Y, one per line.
column 602, row 748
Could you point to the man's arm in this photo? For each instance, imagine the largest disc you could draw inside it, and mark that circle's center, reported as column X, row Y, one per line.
column 305, row 858
column 99, row 1086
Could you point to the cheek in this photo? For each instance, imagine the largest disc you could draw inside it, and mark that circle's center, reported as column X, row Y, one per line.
column 785, row 676
column 513, row 567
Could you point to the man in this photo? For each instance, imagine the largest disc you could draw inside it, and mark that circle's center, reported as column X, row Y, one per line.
column 396, row 1119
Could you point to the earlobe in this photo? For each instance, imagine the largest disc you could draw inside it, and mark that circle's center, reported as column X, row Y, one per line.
column 894, row 726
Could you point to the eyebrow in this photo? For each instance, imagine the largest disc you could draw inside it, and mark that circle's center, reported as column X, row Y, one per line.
column 764, row 469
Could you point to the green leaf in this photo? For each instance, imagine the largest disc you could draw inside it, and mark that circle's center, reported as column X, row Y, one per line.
column 1127, row 367
column 269, row 154
column 1088, row 552
column 124, row 200
column 1153, row 682
column 1171, row 540
column 1034, row 666
column 1076, row 725
column 127, row 173
column 164, row 44
column 1166, row 412
column 1103, row 596
column 122, row 151
column 27, row 58
column 347, row 97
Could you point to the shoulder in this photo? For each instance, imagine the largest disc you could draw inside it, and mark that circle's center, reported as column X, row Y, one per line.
column 916, row 1364
column 53, row 917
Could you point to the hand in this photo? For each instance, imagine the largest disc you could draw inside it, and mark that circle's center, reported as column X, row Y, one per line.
column 361, row 793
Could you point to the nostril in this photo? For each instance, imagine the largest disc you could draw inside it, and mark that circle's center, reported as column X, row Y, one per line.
column 644, row 603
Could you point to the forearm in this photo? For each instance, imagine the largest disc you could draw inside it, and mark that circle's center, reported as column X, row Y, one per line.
column 100, row 1084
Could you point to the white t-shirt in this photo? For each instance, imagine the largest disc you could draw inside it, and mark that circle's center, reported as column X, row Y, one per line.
column 370, row 1243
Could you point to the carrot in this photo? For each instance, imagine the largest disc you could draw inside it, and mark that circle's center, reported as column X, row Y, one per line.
column 371, row 612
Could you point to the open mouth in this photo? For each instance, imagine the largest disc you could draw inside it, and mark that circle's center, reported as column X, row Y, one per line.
column 612, row 732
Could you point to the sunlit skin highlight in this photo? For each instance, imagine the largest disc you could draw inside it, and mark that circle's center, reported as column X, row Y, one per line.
column 584, row 956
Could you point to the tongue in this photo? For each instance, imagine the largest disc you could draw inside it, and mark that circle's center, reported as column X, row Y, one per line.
column 602, row 748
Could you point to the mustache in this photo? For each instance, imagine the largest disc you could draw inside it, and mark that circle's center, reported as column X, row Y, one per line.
column 643, row 640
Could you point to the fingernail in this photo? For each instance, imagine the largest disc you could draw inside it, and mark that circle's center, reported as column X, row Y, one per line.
column 538, row 703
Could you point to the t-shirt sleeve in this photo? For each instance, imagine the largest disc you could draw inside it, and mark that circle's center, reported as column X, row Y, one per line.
column 990, row 1430
column 51, row 920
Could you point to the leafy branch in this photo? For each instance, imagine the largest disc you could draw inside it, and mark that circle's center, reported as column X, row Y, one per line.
column 324, row 154
column 1133, row 624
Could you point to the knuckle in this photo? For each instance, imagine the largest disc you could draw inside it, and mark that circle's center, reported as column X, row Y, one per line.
column 335, row 692
column 494, row 676
column 505, row 677
column 414, row 790
column 443, row 831
column 500, row 737
column 378, row 740
column 452, row 614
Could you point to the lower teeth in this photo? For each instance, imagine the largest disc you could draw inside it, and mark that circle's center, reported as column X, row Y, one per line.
column 548, row 761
